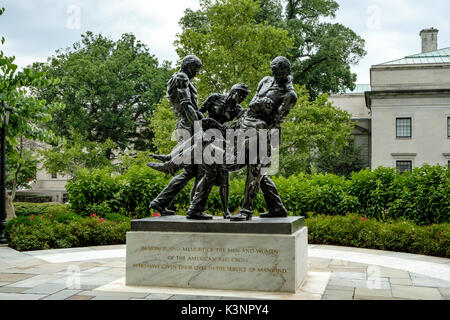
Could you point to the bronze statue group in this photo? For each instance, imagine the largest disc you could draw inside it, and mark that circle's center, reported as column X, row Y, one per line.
column 272, row 102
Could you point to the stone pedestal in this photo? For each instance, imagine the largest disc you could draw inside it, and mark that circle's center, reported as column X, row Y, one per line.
column 258, row 255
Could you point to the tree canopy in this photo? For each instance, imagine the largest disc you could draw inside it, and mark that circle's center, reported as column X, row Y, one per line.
column 75, row 153
column 232, row 45
column 312, row 129
column 322, row 52
column 28, row 113
column 110, row 89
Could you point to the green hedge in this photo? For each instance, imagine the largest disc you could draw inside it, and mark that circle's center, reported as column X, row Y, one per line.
column 29, row 208
column 421, row 196
column 355, row 231
column 64, row 229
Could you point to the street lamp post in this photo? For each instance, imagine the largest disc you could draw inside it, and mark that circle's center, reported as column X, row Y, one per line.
column 5, row 120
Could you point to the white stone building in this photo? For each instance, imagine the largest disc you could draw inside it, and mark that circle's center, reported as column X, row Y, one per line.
column 408, row 108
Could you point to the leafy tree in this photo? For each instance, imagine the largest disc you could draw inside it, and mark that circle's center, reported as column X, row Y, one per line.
column 312, row 128
column 163, row 124
column 28, row 167
column 28, row 112
column 75, row 153
column 233, row 47
column 344, row 163
column 110, row 89
column 322, row 52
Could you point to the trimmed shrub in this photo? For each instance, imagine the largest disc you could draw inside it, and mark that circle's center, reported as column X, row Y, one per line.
column 65, row 230
column 355, row 231
column 92, row 188
column 422, row 196
column 28, row 209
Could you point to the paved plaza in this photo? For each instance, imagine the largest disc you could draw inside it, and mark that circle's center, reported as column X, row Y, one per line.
column 335, row 273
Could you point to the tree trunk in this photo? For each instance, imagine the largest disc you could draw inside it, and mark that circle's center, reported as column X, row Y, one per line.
column 10, row 212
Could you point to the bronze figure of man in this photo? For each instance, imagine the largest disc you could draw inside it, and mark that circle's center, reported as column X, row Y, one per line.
column 182, row 96
column 220, row 109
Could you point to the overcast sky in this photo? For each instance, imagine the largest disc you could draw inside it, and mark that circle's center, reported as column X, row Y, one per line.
column 34, row 29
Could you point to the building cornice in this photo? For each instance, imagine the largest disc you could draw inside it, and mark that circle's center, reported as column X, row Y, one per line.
column 386, row 94
column 421, row 66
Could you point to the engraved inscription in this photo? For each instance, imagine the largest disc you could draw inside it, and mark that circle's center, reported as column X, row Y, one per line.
column 194, row 258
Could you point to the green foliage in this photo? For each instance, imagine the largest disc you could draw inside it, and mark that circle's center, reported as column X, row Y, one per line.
column 163, row 124
column 75, row 153
column 110, row 89
column 354, row 231
column 90, row 192
column 231, row 44
column 423, row 197
column 27, row 170
column 347, row 161
column 58, row 227
column 312, row 128
column 64, row 230
column 322, row 52
column 28, row 208
column 28, row 112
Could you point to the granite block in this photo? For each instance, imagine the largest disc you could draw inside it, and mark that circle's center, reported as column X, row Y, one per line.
column 255, row 262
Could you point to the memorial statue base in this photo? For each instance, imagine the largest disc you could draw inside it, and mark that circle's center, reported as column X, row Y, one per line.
column 257, row 255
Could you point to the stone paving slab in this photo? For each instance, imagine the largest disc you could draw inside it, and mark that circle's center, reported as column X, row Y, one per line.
column 46, row 288
column 119, row 286
column 432, row 265
column 347, row 269
column 382, row 283
column 158, row 296
column 102, row 293
column 400, row 281
column 337, row 295
column 444, row 291
column 12, row 290
column 190, row 297
column 339, row 288
column 48, row 268
column 34, row 281
column 394, row 273
column 62, row 295
column 77, row 297
column 102, row 270
column 315, row 282
column 416, row 293
column 109, row 247
column 422, row 281
column 13, row 277
column 20, row 296
column 108, row 298
column 349, row 275
column 365, row 293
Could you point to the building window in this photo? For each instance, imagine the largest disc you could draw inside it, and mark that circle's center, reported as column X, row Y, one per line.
column 54, row 176
column 448, row 127
column 403, row 166
column 403, row 127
